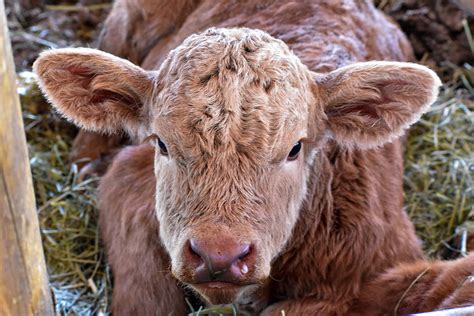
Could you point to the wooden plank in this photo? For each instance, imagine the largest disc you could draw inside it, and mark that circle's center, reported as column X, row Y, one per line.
column 23, row 276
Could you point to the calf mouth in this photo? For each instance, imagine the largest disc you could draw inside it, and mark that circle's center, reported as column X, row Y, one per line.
column 211, row 285
column 221, row 292
column 217, row 285
column 220, row 288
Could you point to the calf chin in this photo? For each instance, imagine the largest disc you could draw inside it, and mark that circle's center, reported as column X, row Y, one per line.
column 248, row 298
column 217, row 296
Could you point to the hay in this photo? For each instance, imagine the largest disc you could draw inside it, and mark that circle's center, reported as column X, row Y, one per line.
column 67, row 213
column 79, row 278
column 439, row 170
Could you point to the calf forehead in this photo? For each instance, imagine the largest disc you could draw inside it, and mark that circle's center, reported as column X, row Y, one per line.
column 233, row 88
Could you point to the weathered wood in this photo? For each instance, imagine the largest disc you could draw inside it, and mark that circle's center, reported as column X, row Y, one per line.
column 23, row 276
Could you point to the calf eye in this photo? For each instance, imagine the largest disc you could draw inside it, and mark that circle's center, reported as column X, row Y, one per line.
column 294, row 151
column 156, row 141
column 163, row 149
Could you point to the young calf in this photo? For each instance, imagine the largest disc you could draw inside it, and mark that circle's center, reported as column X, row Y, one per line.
column 274, row 178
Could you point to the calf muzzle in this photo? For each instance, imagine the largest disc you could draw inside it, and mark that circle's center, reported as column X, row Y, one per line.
column 222, row 259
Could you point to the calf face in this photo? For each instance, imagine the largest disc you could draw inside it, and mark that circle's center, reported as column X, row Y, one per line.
column 237, row 121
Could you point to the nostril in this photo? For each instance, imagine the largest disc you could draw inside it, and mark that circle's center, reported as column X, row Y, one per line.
column 193, row 249
column 246, row 251
column 193, row 246
column 244, row 263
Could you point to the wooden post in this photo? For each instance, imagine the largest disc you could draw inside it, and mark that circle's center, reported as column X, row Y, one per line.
column 23, row 276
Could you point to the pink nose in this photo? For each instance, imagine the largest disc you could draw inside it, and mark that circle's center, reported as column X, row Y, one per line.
column 220, row 260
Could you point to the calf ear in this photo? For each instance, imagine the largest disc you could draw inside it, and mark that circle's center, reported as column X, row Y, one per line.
column 95, row 90
column 368, row 104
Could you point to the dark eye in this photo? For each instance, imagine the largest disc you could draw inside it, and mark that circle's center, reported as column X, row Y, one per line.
column 294, row 151
column 163, row 149
column 156, row 141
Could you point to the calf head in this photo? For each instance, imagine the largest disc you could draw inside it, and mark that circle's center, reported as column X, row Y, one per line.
column 237, row 121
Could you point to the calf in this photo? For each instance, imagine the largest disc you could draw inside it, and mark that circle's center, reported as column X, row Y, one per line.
column 271, row 177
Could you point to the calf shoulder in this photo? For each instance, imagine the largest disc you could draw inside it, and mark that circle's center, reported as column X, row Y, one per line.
column 143, row 284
